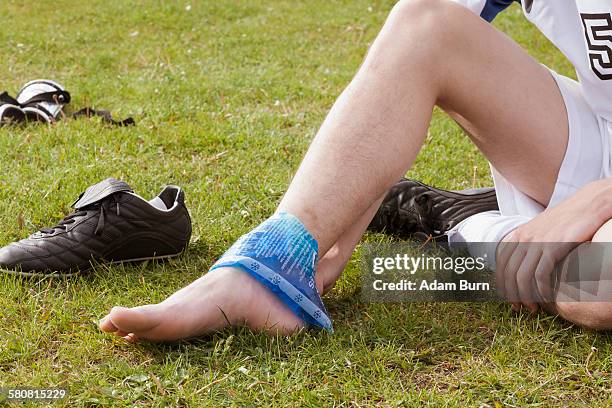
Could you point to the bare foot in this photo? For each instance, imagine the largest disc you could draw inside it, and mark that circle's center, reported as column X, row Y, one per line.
column 224, row 297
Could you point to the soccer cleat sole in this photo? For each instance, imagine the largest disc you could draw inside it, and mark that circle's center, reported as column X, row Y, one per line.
column 56, row 274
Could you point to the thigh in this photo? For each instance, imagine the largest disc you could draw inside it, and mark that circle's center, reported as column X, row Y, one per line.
column 509, row 104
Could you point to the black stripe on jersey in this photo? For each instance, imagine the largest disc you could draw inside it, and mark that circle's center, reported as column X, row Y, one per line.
column 493, row 7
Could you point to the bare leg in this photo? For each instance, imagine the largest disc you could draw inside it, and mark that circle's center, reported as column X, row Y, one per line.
column 333, row 263
column 496, row 91
column 508, row 102
column 591, row 314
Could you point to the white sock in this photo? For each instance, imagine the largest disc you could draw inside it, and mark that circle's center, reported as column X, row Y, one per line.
column 485, row 230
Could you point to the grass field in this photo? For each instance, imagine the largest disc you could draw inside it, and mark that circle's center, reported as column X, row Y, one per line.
column 227, row 96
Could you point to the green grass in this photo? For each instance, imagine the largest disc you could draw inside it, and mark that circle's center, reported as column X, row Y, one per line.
column 227, row 96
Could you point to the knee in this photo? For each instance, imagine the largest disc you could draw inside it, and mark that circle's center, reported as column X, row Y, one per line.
column 421, row 33
column 414, row 10
column 594, row 310
column 589, row 315
column 438, row 21
column 594, row 315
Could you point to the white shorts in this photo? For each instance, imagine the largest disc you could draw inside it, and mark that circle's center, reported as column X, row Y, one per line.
column 587, row 159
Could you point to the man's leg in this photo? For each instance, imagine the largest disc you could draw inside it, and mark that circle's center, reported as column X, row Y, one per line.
column 592, row 314
column 429, row 52
column 333, row 263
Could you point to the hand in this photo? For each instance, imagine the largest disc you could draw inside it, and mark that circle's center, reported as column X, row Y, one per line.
column 526, row 258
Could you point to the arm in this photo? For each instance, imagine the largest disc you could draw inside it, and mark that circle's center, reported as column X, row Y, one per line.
column 527, row 256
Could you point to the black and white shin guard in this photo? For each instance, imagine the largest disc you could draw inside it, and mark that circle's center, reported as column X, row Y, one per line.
column 41, row 100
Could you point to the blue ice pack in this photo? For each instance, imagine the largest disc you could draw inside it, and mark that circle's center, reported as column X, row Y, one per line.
column 282, row 255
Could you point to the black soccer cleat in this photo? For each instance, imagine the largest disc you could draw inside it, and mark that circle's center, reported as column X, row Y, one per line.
column 111, row 224
column 413, row 209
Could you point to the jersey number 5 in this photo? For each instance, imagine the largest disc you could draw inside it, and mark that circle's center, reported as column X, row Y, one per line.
column 598, row 33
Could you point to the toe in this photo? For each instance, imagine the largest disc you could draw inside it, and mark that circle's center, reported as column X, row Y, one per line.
column 134, row 320
column 106, row 325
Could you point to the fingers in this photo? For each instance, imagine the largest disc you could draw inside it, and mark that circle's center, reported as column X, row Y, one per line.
column 505, row 249
column 524, row 274
column 511, row 271
column 544, row 277
column 525, row 277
